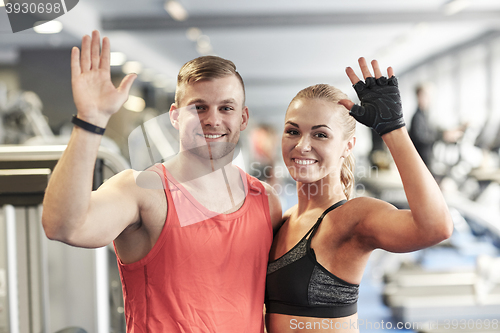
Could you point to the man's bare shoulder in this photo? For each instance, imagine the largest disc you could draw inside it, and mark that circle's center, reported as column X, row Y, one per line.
column 274, row 205
column 133, row 184
column 269, row 189
column 148, row 179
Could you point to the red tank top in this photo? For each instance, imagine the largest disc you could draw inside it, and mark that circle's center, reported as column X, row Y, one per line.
column 204, row 277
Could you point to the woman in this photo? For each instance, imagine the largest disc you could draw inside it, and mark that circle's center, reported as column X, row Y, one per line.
column 320, row 252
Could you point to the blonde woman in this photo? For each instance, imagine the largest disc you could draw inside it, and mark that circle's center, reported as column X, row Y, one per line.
column 320, row 252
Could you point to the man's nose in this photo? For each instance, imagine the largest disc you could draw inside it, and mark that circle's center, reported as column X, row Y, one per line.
column 212, row 118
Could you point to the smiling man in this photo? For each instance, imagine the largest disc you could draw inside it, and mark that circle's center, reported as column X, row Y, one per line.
column 192, row 235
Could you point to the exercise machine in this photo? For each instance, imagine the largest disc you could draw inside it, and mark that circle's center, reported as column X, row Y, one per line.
column 47, row 286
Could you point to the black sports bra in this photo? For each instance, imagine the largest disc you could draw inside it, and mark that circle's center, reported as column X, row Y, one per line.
column 298, row 285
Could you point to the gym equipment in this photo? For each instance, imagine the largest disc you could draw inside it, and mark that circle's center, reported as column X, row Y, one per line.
column 46, row 285
column 420, row 296
column 21, row 118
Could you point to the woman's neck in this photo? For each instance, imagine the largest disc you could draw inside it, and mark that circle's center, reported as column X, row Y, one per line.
column 320, row 194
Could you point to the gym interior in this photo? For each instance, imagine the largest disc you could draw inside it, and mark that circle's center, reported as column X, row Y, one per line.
column 450, row 49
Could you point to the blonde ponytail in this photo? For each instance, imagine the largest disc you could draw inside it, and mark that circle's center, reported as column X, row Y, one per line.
column 347, row 175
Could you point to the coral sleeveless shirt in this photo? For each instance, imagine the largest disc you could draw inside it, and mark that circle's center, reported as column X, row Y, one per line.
column 204, row 277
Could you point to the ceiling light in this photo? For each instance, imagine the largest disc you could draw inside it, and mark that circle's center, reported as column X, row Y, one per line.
column 192, row 34
column 203, row 41
column 176, row 11
column 452, row 7
column 117, row 58
column 203, row 45
column 2, row 4
column 132, row 67
column 147, row 75
column 204, row 50
column 161, row 81
column 135, row 104
column 50, row 27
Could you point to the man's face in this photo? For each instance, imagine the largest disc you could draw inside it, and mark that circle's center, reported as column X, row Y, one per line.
column 210, row 117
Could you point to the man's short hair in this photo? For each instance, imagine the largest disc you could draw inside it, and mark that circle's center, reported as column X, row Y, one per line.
column 205, row 68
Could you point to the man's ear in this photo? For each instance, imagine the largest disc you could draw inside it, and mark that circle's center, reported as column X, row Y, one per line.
column 174, row 116
column 349, row 146
column 245, row 116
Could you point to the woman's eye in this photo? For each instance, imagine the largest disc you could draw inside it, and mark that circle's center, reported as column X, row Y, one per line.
column 321, row 135
column 292, row 132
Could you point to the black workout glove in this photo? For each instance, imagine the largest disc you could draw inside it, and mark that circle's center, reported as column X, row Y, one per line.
column 381, row 107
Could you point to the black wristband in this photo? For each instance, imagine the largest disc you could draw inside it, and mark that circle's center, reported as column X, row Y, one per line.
column 87, row 126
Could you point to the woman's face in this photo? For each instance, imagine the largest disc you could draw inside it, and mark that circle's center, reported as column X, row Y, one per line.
column 313, row 144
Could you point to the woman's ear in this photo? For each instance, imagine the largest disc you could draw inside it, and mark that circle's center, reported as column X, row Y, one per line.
column 174, row 116
column 349, row 146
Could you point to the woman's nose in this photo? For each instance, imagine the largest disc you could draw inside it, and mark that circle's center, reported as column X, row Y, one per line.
column 304, row 144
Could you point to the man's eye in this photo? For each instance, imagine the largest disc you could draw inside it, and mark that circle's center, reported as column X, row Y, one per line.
column 227, row 108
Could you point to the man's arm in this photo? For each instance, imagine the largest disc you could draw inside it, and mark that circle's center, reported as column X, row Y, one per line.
column 72, row 213
column 275, row 209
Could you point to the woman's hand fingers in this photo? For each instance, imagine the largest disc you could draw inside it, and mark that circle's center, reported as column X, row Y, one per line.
column 352, row 76
column 348, row 104
column 364, row 68
column 366, row 71
column 376, row 69
column 390, row 72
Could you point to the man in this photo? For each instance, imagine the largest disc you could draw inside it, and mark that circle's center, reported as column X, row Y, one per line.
column 190, row 259
column 421, row 132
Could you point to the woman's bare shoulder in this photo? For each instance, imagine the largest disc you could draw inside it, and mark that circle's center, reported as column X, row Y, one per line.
column 366, row 204
column 289, row 212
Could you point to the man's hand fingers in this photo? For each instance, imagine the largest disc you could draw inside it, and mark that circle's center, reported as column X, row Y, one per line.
column 126, row 83
column 352, row 76
column 75, row 63
column 85, row 54
column 95, row 49
column 105, row 54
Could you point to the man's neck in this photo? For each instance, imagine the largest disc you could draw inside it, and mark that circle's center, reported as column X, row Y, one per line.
column 217, row 187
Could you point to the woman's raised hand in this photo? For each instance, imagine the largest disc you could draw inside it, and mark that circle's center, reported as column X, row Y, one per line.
column 380, row 107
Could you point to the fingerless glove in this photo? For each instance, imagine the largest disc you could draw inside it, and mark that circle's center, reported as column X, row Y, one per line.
column 380, row 107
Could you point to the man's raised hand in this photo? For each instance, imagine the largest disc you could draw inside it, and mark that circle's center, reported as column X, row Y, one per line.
column 95, row 96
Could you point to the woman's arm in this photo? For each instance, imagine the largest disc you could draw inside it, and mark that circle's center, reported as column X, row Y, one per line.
column 382, row 225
